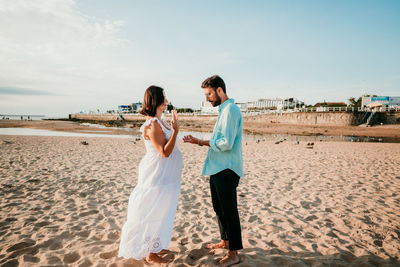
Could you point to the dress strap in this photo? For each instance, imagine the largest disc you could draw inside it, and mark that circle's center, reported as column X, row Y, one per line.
column 147, row 123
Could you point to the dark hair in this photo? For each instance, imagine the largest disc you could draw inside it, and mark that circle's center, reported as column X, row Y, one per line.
column 153, row 97
column 214, row 82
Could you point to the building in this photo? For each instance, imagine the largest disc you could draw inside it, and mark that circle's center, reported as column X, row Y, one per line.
column 242, row 106
column 124, row 109
column 136, row 107
column 382, row 101
column 207, row 108
column 261, row 104
column 277, row 103
column 131, row 108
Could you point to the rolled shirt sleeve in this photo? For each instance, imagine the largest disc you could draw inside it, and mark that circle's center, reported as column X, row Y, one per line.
column 228, row 125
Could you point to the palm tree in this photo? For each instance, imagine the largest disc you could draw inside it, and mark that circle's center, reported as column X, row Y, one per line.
column 355, row 103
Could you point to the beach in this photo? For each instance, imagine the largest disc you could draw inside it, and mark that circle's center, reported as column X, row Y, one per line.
column 333, row 203
column 206, row 124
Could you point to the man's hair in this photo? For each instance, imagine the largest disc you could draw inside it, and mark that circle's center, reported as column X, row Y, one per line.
column 214, row 82
column 153, row 97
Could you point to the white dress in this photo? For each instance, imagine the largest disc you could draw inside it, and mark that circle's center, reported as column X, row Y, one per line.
column 152, row 203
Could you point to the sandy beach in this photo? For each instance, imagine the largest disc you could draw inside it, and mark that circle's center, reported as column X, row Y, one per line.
column 206, row 124
column 336, row 204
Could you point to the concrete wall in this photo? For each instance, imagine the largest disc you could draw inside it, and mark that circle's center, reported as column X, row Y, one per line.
column 113, row 117
column 392, row 118
column 314, row 118
column 307, row 118
column 106, row 117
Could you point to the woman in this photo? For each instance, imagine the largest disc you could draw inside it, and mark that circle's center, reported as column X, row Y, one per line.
column 152, row 204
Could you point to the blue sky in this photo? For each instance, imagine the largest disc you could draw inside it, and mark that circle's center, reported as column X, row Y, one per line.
column 63, row 56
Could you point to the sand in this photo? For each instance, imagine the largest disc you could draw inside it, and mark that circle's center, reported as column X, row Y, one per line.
column 336, row 204
column 206, row 124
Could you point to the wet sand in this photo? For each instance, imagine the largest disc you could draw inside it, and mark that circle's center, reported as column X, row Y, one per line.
column 67, row 126
column 333, row 203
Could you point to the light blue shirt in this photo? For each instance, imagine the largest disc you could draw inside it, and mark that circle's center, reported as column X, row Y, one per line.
column 225, row 150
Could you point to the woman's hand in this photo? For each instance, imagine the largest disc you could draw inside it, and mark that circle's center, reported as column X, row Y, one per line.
column 174, row 121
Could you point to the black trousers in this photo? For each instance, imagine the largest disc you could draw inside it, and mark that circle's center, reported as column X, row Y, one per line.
column 223, row 193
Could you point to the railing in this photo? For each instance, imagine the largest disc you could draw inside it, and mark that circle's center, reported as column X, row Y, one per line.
column 321, row 109
column 269, row 111
column 370, row 117
column 329, row 109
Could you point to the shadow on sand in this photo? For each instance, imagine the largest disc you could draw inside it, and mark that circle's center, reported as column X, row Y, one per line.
column 276, row 257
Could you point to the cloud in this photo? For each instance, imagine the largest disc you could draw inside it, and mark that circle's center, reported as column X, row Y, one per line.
column 49, row 44
column 21, row 91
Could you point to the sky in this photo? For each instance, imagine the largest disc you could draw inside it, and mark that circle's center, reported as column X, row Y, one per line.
column 65, row 56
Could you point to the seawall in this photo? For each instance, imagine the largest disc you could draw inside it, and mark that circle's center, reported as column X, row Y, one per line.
column 106, row 117
column 311, row 118
column 304, row 118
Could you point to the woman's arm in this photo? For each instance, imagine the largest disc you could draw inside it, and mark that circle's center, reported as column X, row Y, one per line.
column 157, row 136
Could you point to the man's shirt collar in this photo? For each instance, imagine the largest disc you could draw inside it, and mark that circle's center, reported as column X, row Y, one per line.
column 229, row 100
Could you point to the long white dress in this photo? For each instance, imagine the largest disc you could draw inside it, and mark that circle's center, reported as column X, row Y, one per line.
column 153, row 202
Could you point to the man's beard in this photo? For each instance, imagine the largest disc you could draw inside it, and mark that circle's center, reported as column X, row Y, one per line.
column 217, row 101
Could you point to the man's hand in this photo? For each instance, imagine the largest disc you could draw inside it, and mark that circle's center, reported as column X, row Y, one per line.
column 190, row 139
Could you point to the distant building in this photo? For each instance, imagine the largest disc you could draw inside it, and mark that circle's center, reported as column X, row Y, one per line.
column 207, row 108
column 131, row 108
column 277, row 103
column 242, row 106
column 124, row 108
column 383, row 101
column 136, row 107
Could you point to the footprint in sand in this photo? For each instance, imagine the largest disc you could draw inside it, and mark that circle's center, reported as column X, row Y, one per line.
column 311, row 218
column 71, row 257
column 41, row 224
column 54, row 260
column 21, row 245
column 253, row 218
column 184, row 241
column 252, row 242
column 30, row 259
column 113, row 235
column 109, row 255
column 91, row 212
column 305, row 204
column 84, row 233
column 196, row 239
column 85, row 263
column 195, row 255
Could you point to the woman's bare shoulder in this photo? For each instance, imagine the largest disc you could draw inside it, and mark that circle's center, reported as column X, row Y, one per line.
column 154, row 128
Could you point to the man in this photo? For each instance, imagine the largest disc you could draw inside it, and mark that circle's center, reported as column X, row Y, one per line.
column 224, row 164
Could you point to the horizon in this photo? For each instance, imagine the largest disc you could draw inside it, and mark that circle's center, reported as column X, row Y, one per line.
column 64, row 56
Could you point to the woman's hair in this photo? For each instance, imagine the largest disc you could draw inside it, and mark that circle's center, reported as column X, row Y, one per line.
column 153, row 97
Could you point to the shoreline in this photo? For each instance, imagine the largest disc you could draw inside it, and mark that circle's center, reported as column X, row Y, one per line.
column 66, row 126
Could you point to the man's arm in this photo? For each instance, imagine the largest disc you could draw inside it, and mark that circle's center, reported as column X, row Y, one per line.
column 229, row 124
column 193, row 140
